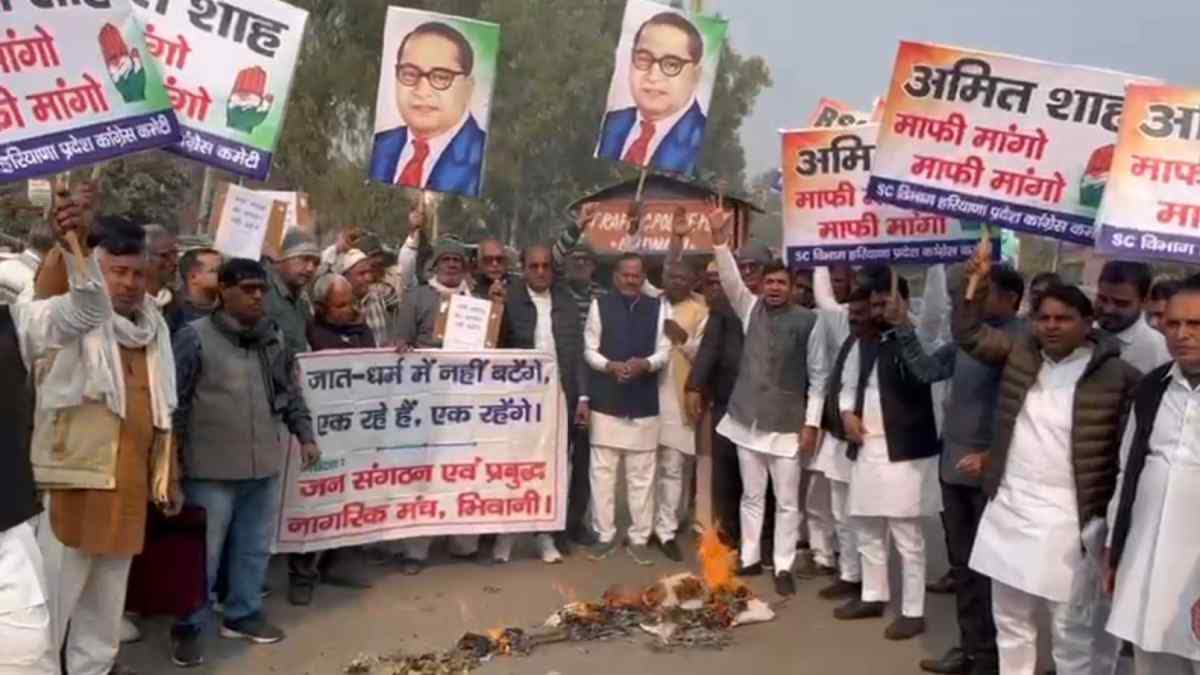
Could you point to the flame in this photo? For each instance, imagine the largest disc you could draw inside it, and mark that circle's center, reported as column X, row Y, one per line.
column 718, row 562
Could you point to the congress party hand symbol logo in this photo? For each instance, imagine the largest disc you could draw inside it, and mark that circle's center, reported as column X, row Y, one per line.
column 1091, row 186
column 124, row 66
column 249, row 104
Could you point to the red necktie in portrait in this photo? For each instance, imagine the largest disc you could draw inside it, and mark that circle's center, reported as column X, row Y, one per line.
column 637, row 151
column 411, row 176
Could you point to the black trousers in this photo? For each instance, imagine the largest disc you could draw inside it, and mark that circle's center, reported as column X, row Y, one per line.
column 579, row 495
column 962, row 509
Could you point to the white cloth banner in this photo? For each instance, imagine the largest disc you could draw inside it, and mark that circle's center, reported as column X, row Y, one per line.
column 425, row 444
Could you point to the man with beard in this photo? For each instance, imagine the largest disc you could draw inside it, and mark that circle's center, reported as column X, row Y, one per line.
column 286, row 304
column 199, row 291
column 1156, row 306
column 1121, row 296
column 888, row 417
column 782, row 372
column 163, row 252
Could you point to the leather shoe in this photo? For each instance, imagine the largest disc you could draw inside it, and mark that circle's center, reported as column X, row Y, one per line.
column 785, row 585
column 905, row 628
column 750, row 570
column 300, row 593
column 944, row 586
column 955, row 662
column 857, row 609
column 840, row 589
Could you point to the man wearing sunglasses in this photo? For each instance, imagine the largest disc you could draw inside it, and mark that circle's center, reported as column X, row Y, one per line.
column 441, row 146
column 665, row 128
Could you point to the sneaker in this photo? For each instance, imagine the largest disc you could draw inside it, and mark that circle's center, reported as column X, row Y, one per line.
column 129, row 631
column 185, row 648
column 671, row 550
column 784, row 584
column 602, row 549
column 857, row 609
column 841, row 589
column 750, row 570
column 252, row 629
column 548, row 550
column 905, row 628
column 640, row 554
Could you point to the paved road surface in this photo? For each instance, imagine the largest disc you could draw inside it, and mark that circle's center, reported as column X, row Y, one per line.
column 432, row 610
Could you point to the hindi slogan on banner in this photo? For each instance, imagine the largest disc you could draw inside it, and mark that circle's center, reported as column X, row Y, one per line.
column 829, row 218
column 428, row 443
column 76, row 89
column 1151, row 208
column 228, row 68
column 1009, row 141
column 609, row 231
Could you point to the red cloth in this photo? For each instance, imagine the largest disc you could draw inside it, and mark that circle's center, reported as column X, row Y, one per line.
column 637, row 151
column 411, row 176
column 168, row 577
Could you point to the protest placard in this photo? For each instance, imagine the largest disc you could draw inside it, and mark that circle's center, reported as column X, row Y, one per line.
column 833, row 113
column 1014, row 142
column 75, row 89
column 248, row 224
column 299, row 214
column 468, row 323
column 428, row 443
column 1151, row 207
column 662, row 85
column 228, row 68
column 828, row 218
column 449, row 60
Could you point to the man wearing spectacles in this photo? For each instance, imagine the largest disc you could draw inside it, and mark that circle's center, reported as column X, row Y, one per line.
column 441, row 146
column 665, row 127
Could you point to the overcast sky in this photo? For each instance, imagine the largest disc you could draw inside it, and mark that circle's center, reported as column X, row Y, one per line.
column 844, row 49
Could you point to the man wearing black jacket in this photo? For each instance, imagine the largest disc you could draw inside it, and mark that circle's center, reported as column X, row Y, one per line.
column 540, row 314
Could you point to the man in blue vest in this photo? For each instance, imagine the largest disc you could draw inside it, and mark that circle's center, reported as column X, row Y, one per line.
column 665, row 128
column 441, row 145
column 625, row 346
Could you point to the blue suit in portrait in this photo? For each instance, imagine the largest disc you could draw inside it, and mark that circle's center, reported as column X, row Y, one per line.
column 677, row 153
column 458, row 170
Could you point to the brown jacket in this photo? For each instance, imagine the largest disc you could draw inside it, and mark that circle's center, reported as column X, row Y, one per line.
column 1102, row 401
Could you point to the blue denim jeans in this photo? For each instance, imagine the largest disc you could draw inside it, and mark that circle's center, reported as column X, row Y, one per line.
column 239, row 516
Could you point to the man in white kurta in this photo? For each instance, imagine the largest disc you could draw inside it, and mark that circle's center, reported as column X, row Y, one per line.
column 765, row 454
column 684, row 318
column 1155, row 550
column 615, row 437
column 888, row 495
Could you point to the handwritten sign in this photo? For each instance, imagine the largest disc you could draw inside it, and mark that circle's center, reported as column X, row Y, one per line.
column 245, row 221
column 74, row 90
column 429, row 443
column 1151, row 207
column 833, row 113
column 828, row 217
column 471, row 323
column 1009, row 141
column 609, row 232
column 228, row 67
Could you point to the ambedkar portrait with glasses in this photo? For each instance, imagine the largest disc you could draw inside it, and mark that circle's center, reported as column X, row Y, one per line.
column 431, row 117
column 658, row 100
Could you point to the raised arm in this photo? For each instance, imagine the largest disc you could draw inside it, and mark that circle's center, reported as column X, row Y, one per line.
column 926, row 367
column 978, row 339
column 45, row 325
column 935, row 309
column 823, row 291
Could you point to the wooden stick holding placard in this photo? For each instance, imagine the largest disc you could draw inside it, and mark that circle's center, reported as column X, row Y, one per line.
column 983, row 254
column 635, row 209
column 273, row 242
column 62, row 188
